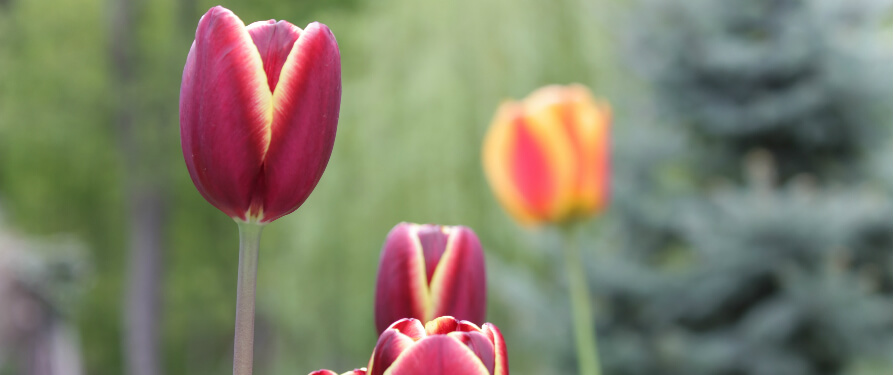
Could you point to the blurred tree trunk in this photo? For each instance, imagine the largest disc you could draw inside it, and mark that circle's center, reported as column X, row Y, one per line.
column 142, row 309
column 145, row 203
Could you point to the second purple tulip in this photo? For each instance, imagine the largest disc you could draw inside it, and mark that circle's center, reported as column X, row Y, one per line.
column 427, row 271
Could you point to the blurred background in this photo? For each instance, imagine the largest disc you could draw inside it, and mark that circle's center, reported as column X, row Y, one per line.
column 750, row 230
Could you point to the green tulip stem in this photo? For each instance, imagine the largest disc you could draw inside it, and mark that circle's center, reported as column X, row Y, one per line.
column 581, row 311
column 243, row 346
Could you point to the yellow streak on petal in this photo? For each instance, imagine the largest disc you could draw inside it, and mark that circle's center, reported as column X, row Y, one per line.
column 263, row 97
column 496, row 151
column 422, row 289
column 437, row 279
column 282, row 91
column 543, row 111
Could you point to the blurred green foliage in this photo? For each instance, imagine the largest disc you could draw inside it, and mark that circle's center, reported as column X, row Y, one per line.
column 753, row 219
column 750, row 231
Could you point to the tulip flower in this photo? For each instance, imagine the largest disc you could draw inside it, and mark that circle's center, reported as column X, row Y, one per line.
column 444, row 346
column 547, row 161
column 258, row 113
column 426, row 271
column 359, row 371
column 547, row 157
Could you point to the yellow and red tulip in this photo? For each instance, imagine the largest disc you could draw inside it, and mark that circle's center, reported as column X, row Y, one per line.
column 426, row 271
column 259, row 109
column 547, row 157
column 443, row 346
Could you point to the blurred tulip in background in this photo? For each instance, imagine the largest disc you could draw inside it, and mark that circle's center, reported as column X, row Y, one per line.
column 426, row 271
column 547, row 157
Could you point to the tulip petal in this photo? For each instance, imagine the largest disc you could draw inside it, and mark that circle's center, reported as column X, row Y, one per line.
column 554, row 107
column 479, row 344
column 274, row 41
column 390, row 346
column 225, row 110
column 433, row 239
column 591, row 122
column 467, row 326
column 410, row 327
column 531, row 172
column 401, row 290
column 438, row 355
column 497, row 146
column 459, row 285
column 584, row 124
column 543, row 162
column 530, row 160
column 501, row 361
column 323, row 372
column 306, row 103
column 441, row 325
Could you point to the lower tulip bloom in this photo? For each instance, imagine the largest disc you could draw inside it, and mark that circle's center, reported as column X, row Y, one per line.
column 443, row 346
column 359, row 371
column 427, row 271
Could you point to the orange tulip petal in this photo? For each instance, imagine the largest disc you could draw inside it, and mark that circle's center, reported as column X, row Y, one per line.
column 547, row 119
column 547, row 157
column 495, row 153
column 531, row 171
column 501, row 361
column 590, row 122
